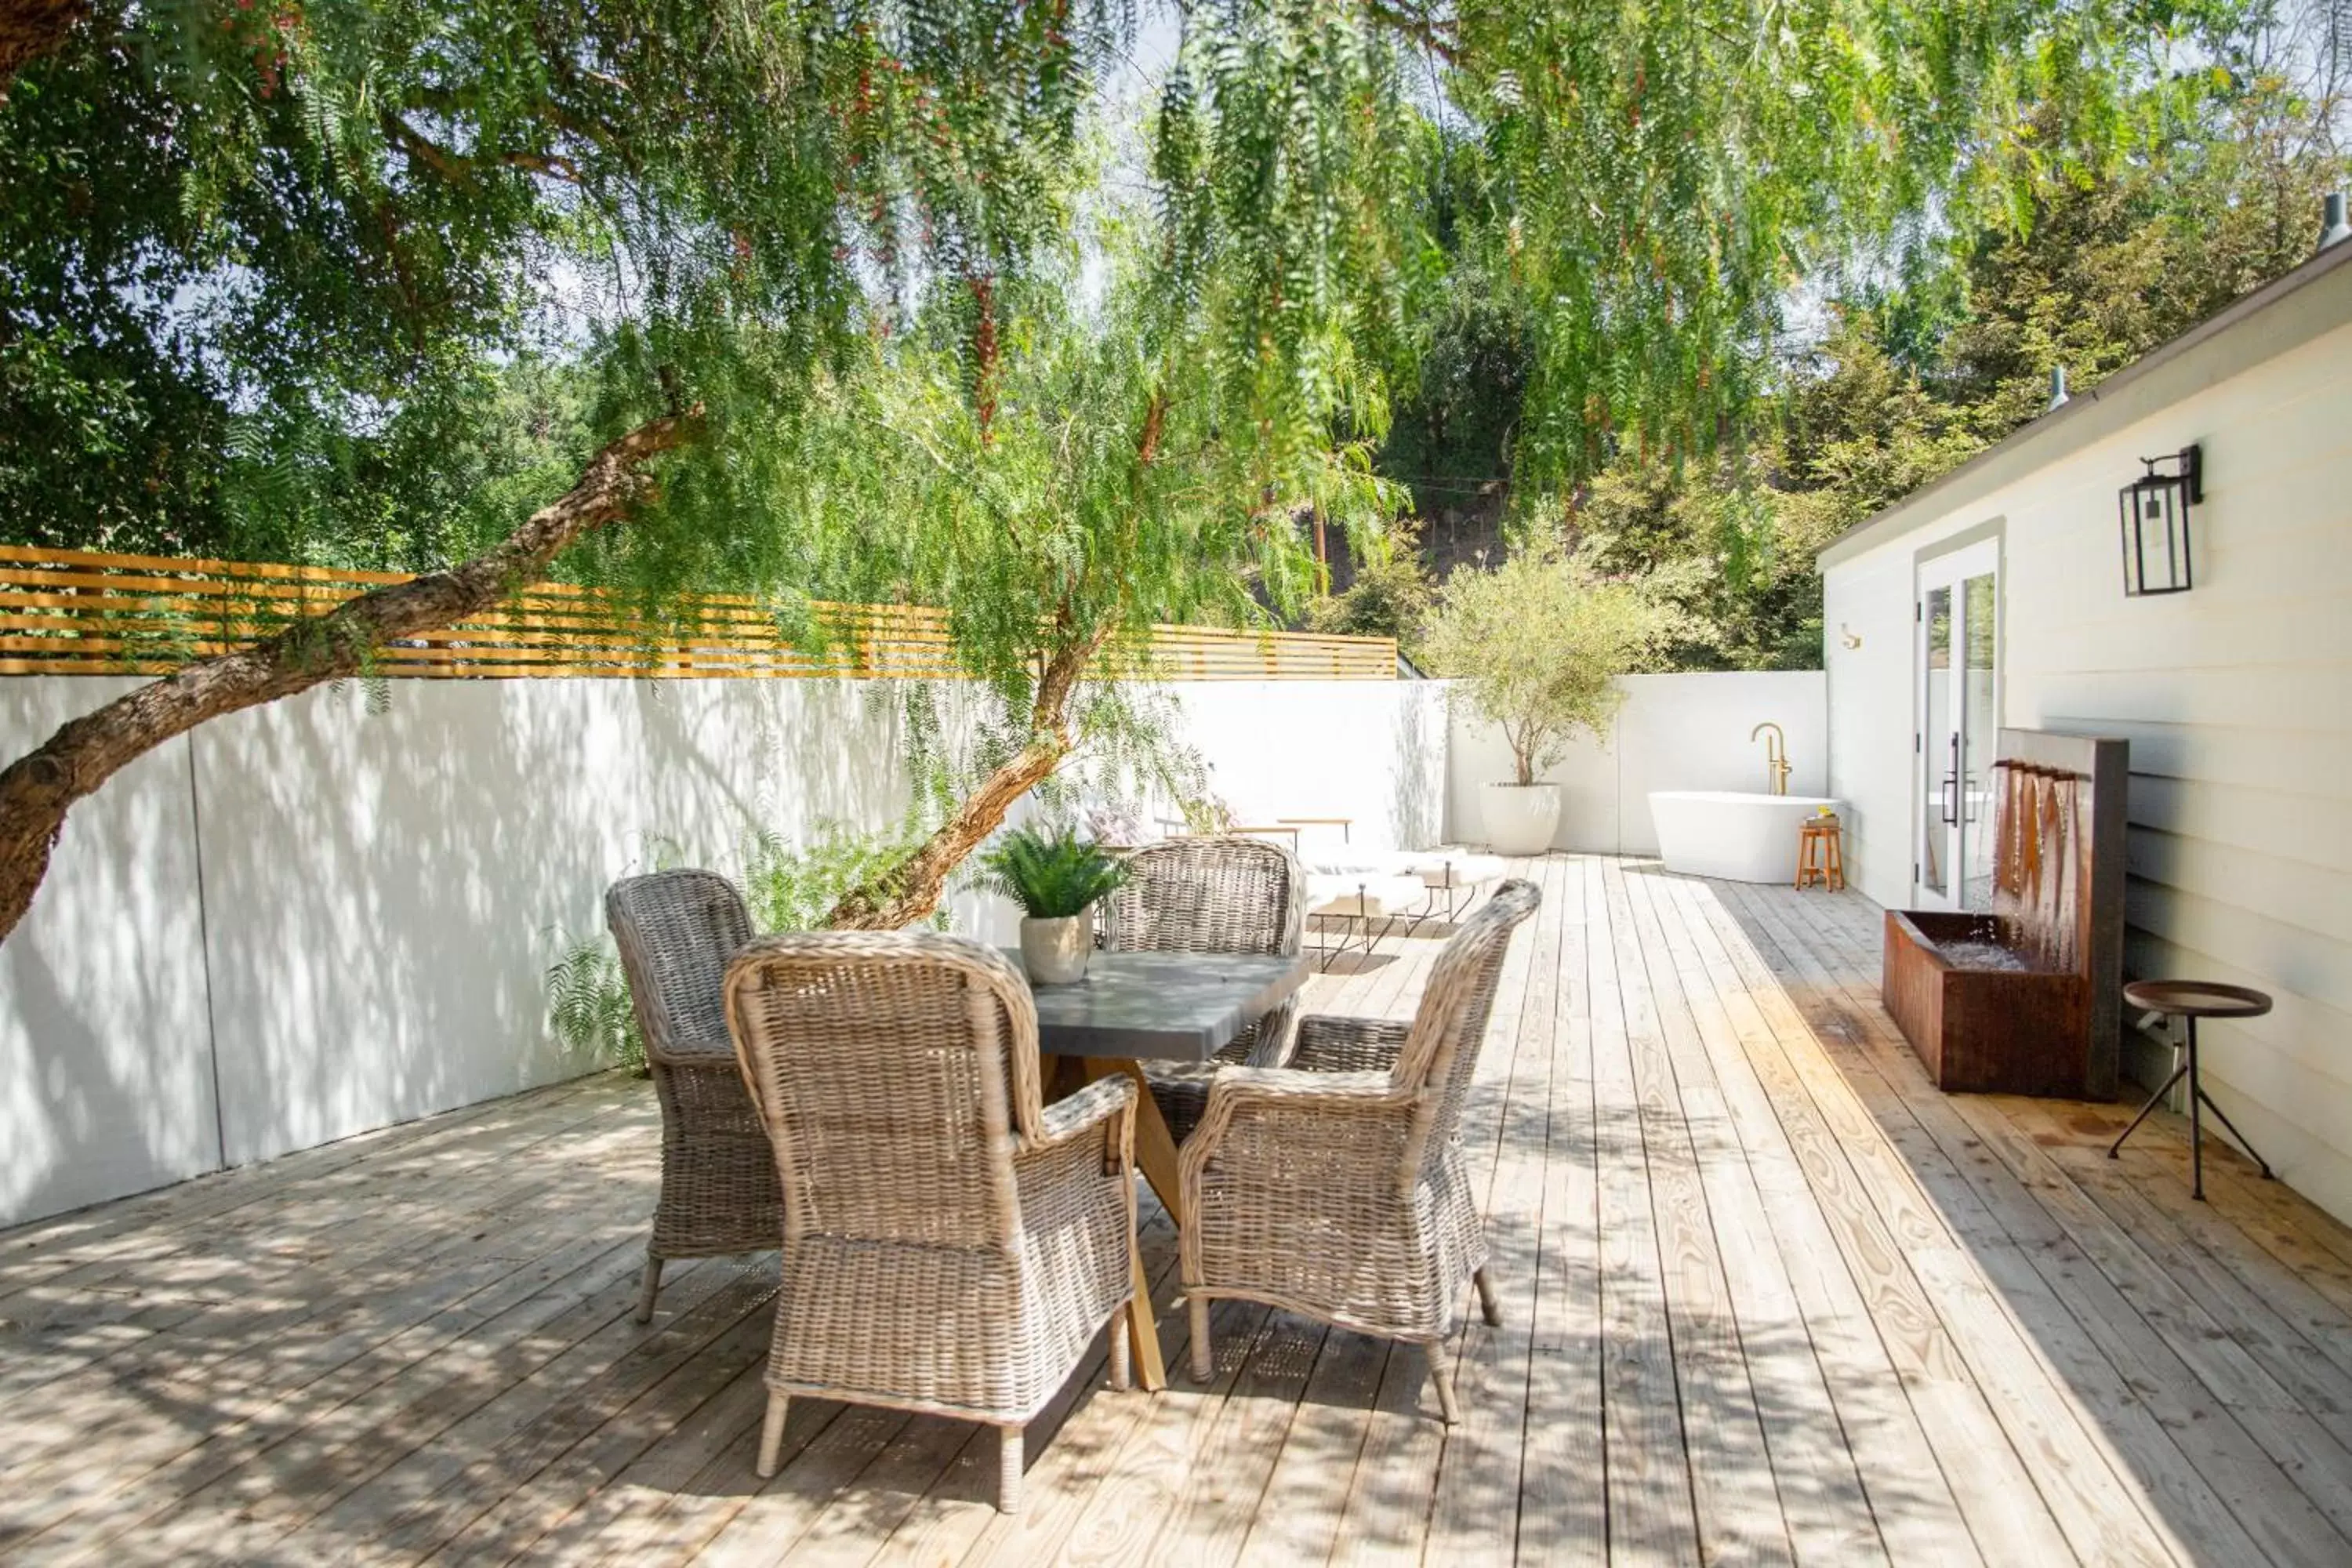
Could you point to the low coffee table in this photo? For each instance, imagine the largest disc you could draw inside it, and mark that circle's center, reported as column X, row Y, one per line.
column 1159, row 1007
column 2192, row 1000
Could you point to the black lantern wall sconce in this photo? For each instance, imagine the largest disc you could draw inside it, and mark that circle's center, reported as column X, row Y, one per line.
column 2155, row 512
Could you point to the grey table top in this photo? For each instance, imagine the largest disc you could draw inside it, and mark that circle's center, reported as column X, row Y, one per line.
column 1173, row 1007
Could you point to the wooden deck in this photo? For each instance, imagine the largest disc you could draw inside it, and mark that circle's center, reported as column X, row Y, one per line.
column 1767, row 1297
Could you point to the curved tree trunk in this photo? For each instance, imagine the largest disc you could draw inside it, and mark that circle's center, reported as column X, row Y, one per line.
column 38, row 788
column 911, row 889
column 32, row 28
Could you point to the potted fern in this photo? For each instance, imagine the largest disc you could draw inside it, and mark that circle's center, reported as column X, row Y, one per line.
column 1055, row 877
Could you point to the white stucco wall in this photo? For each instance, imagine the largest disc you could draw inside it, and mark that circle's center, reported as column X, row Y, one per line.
column 106, row 1081
column 363, row 939
column 2236, row 697
column 1675, row 731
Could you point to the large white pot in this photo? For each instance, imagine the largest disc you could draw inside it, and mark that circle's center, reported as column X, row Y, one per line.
column 1054, row 951
column 1522, row 818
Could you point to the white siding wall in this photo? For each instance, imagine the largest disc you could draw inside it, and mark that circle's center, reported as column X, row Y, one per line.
column 379, row 894
column 1675, row 731
column 2236, row 698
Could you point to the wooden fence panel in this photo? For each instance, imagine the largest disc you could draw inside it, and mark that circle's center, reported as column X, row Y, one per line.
column 78, row 612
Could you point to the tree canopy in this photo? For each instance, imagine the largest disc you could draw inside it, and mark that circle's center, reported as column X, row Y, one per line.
column 1061, row 314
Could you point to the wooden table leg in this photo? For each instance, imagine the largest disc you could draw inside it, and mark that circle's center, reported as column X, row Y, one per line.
column 1155, row 1156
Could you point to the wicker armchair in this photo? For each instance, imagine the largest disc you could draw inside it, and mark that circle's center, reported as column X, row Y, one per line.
column 1336, row 1188
column 951, row 1244
column 676, row 930
column 1210, row 895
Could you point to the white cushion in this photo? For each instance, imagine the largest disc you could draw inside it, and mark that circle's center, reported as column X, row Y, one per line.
column 1363, row 893
column 1450, row 869
column 1433, row 867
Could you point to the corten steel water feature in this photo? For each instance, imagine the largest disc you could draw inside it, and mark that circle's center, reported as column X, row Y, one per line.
column 2025, row 998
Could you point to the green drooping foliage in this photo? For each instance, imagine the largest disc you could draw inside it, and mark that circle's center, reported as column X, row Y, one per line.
column 1101, row 487
column 1050, row 875
column 915, row 309
column 305, row 235
column 2084, row 230
column 321, row 228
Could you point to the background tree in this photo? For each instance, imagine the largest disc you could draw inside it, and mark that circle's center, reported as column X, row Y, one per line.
column 2094, row 217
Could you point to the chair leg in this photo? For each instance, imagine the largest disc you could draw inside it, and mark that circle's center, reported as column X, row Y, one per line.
column 1204, row 1360
column 1441, row 1373
column 1120, row 1373
column 771, row 1433
column 1008, row 1469
column 1488, row 1308
column 649, row 1287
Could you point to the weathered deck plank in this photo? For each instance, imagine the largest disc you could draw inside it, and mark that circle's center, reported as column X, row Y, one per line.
column 1767, row 1296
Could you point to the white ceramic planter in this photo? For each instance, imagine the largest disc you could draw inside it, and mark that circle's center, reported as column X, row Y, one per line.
column 1522, row 818
column 1054, row 951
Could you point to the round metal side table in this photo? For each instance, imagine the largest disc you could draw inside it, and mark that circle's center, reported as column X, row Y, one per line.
column 2192, row 1000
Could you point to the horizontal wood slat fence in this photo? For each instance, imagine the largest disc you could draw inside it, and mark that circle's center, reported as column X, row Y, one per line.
column 76, row 612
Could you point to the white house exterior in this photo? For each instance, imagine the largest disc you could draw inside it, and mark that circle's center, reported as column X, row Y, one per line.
column 2236, row 695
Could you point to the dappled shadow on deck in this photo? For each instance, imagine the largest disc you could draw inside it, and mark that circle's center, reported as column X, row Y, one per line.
column 1767, row 1298
column 2174, row 1378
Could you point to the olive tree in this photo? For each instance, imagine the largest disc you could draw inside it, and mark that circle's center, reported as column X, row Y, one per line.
column 1536, row 645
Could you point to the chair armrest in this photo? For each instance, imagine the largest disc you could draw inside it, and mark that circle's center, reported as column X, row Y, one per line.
column 1254, row 1106
column 713, row 1055
column 1242, row 1091
column 1331, row 1044
column 1283, row 1086
column 1074, row 1115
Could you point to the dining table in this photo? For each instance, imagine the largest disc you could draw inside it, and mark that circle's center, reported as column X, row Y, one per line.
column 1134, row 1007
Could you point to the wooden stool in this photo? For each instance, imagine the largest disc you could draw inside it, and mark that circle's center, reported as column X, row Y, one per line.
column 1820, row 853
column 2192, row 1000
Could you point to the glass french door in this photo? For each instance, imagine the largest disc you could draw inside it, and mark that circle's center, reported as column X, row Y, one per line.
column 1958, row 667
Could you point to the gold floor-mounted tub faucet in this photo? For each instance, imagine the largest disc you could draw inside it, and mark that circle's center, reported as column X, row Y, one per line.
column 1776, row 756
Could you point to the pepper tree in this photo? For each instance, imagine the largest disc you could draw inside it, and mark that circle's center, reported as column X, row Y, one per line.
column 240, row 243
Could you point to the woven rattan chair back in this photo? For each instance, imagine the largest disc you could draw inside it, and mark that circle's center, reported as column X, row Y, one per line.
column 1209, row 895
column 1441, row 1053
column 676, row 931
column 890, row 1069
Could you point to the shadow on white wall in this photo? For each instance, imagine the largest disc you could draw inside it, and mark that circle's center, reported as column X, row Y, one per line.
column 381, row 893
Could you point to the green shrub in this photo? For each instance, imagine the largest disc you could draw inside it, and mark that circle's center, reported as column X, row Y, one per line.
column 588, row 1003
column 795, row 889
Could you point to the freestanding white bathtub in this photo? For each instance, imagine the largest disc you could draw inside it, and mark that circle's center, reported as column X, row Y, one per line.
column 1723, row 833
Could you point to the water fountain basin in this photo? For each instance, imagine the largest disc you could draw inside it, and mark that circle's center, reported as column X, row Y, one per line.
column 2024, row 997
column 1984, row 1024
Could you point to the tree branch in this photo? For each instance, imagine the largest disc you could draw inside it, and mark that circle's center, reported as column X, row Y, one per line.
column 38, row 788
column 911, row 889
column 32, row 30
column 458, row 168
column 1432, row 33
